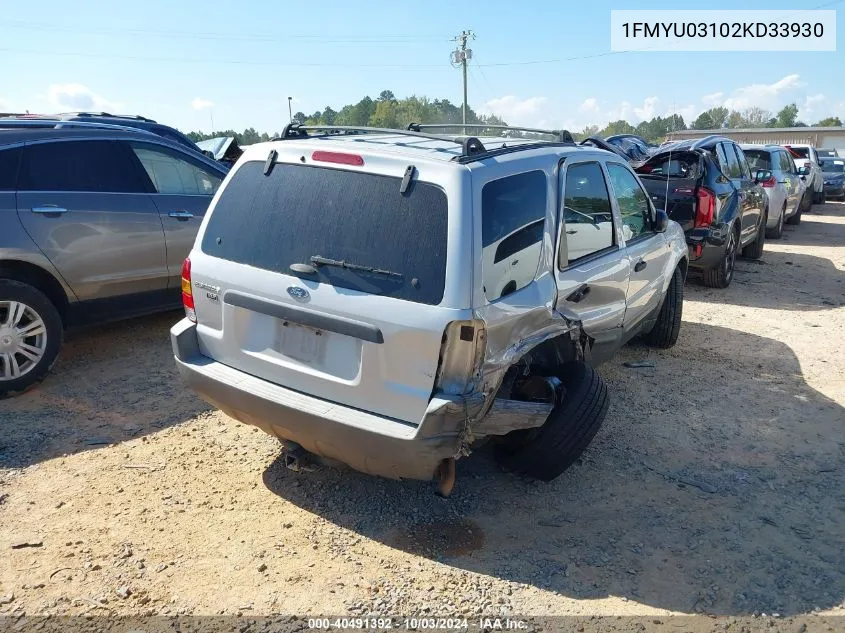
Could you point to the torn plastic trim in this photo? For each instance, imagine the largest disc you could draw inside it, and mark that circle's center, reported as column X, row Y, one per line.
column 504, row 348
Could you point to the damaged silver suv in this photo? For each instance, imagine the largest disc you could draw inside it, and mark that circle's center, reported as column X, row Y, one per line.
column 392, row 299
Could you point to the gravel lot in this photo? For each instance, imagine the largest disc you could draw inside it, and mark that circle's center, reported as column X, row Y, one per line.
column 716, row 485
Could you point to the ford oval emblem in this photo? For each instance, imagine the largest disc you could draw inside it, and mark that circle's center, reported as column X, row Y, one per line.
column 300, row 294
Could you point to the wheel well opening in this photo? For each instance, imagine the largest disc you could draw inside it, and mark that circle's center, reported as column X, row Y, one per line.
column 39, row 278
column 541, row 361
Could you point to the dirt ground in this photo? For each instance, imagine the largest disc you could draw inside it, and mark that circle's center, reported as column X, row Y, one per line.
column 716, row 485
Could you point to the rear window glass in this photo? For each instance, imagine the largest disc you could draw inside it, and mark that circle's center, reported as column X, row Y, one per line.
column 758, row 159
column 299, row 212
column 681, row 166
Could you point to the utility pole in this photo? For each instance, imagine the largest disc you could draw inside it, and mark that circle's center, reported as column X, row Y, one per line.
column 460, row 56
column 290, row 111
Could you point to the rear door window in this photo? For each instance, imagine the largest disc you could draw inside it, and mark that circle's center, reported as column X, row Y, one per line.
column 513, row 212
column 760, row 159
column 786, row 163
column 632, row 200
column 587, row 213
column 733, row 169
column 300, row 211
column 95, row 165
column 9, row 159
column 745, row 172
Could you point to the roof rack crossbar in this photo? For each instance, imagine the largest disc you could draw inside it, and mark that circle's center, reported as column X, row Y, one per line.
column 563, row 136
column 469, row 145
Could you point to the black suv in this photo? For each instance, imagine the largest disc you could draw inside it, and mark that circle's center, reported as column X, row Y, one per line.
column 707, row 187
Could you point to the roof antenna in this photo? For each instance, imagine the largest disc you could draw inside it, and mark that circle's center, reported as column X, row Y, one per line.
column 669, row 164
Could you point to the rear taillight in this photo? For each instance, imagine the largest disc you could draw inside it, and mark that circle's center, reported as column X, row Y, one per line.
column 706, row 208
column 187, row 294
column 771, row 182
column 461, row 353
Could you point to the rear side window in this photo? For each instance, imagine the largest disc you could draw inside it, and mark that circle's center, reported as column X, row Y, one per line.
column 513, row 213
column 172, row 173
column 299, row 211
column 98, row 166
column 9, row 159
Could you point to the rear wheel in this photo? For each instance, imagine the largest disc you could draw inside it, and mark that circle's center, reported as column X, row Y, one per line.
column 777, row 232
column 755, row 249
column 721, row 275
column 545, row 452
column 796, row 219
column 30, row 336
column 664, row 334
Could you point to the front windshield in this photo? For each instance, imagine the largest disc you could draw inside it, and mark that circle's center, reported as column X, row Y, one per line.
column 834, row 168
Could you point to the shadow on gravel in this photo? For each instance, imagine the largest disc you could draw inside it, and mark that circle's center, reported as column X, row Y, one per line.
column 110, row 384
column 682, row 502
column 814, row 230
column 752, row 284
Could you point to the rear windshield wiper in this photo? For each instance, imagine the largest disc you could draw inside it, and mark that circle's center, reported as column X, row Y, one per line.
column 318, row 260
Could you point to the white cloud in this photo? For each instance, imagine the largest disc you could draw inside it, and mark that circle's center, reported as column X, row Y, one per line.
column 713, row 99
column 812, row 106
column 589, row 105
column 201, row 104
column 766, row 96
column 517, row 111
column 647, row 111
column 77, row 97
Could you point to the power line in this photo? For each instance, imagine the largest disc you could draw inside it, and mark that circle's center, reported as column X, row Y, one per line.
column 243, row 62
column 211, row 35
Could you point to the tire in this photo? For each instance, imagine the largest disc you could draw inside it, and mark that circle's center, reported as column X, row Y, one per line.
column 822, row 198
column 777, row 232
column 722, row 275
column 545, row 452
column 664, row 334
column 43, row 320
column 796, row 219
column 755, row 249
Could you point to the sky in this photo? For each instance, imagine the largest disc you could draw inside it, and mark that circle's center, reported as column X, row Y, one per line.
column 192, row 64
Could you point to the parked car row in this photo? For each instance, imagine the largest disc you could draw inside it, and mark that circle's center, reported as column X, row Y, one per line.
column 388, row 304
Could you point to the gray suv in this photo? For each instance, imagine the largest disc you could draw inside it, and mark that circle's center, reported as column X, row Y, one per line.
column 95, row 222
column 393, row 299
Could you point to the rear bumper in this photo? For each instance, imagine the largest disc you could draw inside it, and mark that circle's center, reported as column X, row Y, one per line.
column 706, row 246
column 834, row 190
column 369, row 443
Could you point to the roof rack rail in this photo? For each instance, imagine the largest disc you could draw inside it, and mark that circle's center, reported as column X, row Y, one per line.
column 563, row 136
column 470, row 145
column 56, row 124
column 135, row 117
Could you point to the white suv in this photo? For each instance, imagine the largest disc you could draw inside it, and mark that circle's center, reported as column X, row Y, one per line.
column 390, row 299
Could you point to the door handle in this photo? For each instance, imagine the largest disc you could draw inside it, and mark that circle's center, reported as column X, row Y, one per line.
column 181, row 215
column 640, row 265
column 579, row 293
column 49, row 208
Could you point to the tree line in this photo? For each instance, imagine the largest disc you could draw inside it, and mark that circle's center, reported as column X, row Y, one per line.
column 386, row 111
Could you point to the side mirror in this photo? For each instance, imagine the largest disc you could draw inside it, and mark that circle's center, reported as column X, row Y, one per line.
column 803, row 171
column 762, row 175
column 661, row 221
